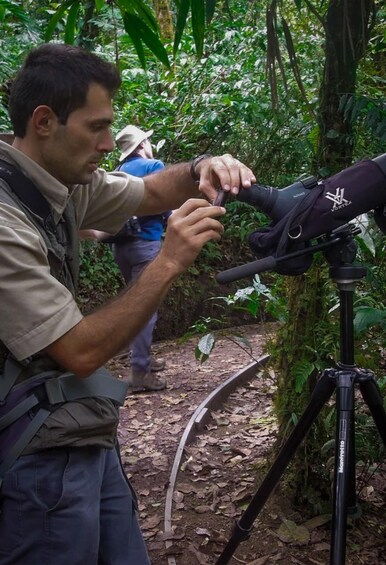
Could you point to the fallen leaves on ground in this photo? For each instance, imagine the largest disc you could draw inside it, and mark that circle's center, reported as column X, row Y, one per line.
column 219, row 471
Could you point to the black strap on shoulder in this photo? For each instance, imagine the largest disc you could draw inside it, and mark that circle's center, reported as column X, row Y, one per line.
column 25, row 189
column 10, row 373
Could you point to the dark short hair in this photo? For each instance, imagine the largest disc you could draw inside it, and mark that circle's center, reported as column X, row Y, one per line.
column 58, row 76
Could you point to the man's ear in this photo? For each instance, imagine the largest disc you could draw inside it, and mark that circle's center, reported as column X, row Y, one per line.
column 43, row 119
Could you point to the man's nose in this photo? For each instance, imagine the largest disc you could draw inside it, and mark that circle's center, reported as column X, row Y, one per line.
column 106, row 143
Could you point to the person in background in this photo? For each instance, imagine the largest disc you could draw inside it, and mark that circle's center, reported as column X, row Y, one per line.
column 135, row 247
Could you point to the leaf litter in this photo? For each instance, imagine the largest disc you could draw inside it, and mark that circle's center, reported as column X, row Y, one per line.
column 220, row 468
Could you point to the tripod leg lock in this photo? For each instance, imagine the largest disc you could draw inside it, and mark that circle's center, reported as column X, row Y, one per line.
column 364, row 375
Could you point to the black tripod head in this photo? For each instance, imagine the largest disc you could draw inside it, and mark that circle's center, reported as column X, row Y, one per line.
column 339, row 248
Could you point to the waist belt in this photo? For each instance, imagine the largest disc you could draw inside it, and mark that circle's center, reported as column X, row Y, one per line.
column 69, row 387
column 45, row 391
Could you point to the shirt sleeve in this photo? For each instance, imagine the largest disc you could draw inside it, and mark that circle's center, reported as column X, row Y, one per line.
column 36, row 309
column 156, row 166
column 109, row 201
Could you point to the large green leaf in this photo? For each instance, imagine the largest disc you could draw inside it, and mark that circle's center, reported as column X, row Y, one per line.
column 198, row 24
column 14, row 9
column 201, row 10
column 59, row 14
column 204, row 347
column 69, row 34
column 366, row 316
column 183, row 11
column 141, row 9
column 210, row 8
column 135, row 37
column 139, row 22
column 140, row 33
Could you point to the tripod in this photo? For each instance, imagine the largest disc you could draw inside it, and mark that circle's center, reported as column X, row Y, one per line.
column 342, row 380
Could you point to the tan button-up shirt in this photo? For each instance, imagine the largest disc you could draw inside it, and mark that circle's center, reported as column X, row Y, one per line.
column 36, row 309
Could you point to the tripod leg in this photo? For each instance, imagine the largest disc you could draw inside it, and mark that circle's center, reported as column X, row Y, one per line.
column 373, row 398
column 344, row 473
column 322, row 392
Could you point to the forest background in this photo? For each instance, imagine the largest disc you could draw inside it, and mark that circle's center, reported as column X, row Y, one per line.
column 291, row 88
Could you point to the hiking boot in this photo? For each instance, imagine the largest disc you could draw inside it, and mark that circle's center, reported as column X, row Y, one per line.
column 157, row 365
column 140, row 381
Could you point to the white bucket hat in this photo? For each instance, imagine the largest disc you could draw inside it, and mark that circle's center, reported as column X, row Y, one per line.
column 129, row 138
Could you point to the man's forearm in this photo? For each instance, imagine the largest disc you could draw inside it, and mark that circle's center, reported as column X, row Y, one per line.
column 172, row 186
column 104, row 333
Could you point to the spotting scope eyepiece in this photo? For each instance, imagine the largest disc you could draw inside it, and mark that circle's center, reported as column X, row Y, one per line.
column 276, row 202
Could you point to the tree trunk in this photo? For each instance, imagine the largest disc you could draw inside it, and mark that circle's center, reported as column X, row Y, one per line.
column 165, row 20
column 88, row 31
column 347, row 27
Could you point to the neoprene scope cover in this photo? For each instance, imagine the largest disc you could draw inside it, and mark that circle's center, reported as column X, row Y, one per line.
column 331, row 204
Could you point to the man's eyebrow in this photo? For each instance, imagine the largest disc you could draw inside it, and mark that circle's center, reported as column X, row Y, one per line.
column 101, row 121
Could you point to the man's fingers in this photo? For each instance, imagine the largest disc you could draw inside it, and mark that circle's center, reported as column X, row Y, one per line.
column 196, row 217
column 224, row 172
column 197, row 208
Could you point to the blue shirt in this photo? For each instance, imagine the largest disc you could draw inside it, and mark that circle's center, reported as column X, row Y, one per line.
column 151, row 226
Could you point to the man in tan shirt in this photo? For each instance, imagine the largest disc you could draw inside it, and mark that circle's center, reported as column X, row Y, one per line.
column 65, row 499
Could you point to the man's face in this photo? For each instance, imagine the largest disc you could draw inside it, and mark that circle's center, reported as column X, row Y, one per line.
column 75, row 149
column 148, row 150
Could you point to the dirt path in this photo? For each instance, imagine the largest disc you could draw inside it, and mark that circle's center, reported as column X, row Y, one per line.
column 218, row 475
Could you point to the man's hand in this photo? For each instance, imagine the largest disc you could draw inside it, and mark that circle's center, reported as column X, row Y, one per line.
column 170, row 188
column 189, row 228
column 224, row 172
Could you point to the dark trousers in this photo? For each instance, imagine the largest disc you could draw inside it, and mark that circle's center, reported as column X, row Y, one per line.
column 132, row 257
column 69, row 506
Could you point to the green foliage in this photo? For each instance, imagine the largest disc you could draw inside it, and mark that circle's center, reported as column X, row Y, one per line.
column 366, row 316
column 369, row 305
column 204, row 347
column 368, row 116
column 11, row 9
column 248, row 300
column 221, row 105
column 241, row 220
column 138, row 20
column 139, row 32
column 200, row 10
column 99, row 274
column 303, row 369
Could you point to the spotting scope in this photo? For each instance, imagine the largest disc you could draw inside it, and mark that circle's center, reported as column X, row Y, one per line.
column 309, row 208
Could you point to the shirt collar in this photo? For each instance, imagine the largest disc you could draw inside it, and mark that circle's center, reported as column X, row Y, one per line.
column 55, row 192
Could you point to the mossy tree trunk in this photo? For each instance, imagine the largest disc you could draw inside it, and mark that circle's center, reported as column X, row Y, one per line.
column 165, row 20
column 297, row 352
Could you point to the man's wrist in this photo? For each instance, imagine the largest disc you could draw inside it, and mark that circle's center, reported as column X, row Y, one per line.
column 193, row 172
